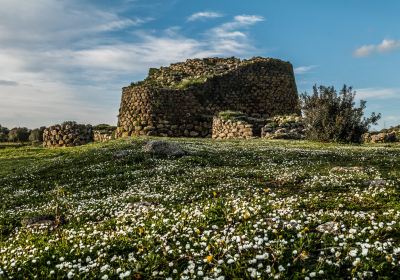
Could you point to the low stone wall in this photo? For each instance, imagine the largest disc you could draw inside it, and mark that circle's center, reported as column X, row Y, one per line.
column 101, row 136
column 284, row 127
column 230, row 129
column 67, row 135
column 382, row 137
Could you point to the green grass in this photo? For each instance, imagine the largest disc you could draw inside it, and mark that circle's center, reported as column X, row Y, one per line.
column 232, row 115
column 186, row 83
column 233, row 209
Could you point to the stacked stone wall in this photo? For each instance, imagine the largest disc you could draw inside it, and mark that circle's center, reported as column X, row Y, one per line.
column 284, row 127
column 101, row 136
column 67, row 135
column 182, row 99
column 381, row 137
column 231, row 129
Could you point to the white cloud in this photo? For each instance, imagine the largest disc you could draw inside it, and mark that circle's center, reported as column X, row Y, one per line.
column 304, row 69
column 364, row 51
column 230, row 37
column 240, row 21
column 387, row 45
column 56, row 23
column 63, row 66
column 378, row 93
column 204, row 15
column 248, row 19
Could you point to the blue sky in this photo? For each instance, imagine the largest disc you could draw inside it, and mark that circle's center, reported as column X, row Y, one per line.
column 68, row 59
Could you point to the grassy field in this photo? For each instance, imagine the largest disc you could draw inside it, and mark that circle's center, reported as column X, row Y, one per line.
column 229, row 209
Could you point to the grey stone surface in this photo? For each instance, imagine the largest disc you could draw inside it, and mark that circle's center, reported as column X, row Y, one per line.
column 164, row 148
column 181, row 100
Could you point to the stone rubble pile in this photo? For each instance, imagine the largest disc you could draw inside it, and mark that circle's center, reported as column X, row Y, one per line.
column 101, row 136
column 382, row 137
column 231, row 128
column 103, row 132
column 68, row 134
column 284, row 127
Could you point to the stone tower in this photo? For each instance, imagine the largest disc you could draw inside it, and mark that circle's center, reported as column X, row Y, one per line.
column 180, row 100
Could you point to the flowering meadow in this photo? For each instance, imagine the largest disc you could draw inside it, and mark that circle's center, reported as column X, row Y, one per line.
column 253, row 209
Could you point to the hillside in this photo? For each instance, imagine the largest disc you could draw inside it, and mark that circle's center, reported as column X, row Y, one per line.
column 242, row 209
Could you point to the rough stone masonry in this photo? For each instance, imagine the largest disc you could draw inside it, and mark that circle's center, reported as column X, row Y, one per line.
column 182, row 99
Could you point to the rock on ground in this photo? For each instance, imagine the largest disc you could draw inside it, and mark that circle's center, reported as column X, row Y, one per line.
column 120, row 154
column 164, row 148
column 348, row 169
column 329, row 227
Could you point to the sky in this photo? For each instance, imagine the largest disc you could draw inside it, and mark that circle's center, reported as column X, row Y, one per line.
column 68, row 59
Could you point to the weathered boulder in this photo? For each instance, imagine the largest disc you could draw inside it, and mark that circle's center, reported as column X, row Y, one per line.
column 43, row 220
column 376, row 183
column 120, row 154
column 164, row 148
column 328, row 227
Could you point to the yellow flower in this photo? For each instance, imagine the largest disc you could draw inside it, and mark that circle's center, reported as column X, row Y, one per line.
column 267, row 190
column 246, row 215
column 304, row 255
column 141, row 230
column 209, row 258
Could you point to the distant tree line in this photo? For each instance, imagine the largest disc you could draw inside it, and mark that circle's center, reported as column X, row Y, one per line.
column 21, row 134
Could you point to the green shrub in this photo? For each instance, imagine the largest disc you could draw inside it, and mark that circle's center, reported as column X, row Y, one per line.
column 332, row 116
column 18, row 134
column 105, row 128
column 36, row 134
column 186, row 83
column 3, row 133
column 153, row 71
column 70, row 123
column 232, row 115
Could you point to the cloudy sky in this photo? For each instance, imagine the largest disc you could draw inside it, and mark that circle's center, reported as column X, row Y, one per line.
column 68, row 59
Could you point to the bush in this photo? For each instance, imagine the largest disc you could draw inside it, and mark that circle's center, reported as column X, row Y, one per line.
column 36, row 134
column 330, row 116
column 232, row 115
column 18, row 134
column 69, row 123
column 104, row 128
column 3, row 133
column 186, row 83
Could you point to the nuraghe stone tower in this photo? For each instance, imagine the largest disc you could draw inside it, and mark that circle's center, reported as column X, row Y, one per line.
column 181, row 100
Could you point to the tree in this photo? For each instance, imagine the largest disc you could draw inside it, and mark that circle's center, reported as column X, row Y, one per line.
column 3, row 133
column 36, row 134
column 18, row 134
column 330, row 116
